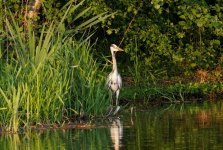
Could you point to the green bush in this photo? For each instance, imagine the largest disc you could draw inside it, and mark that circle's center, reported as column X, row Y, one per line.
column 173, row 36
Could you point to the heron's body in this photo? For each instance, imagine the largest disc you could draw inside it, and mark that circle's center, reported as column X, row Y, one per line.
column 115, row 81
column 115, row 84
column 114, row 78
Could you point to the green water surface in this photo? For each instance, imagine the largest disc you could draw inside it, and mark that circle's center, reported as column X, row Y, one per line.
column 181, row 126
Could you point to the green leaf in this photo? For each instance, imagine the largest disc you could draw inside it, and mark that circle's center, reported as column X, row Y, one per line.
column 193, row 65
column 109, row 31
column 182, row 17
column 182, row 23
column 200, row 23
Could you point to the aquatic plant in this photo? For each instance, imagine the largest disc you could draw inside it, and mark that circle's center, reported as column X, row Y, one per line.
column 49, row 77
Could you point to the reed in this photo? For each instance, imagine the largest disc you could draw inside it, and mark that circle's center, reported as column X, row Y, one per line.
column 50, row 77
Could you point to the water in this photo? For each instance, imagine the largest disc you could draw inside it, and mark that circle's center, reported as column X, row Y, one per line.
column 182, row 126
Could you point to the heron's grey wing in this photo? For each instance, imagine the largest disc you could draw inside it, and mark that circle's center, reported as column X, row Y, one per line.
column 109, row 81
column 119, row 81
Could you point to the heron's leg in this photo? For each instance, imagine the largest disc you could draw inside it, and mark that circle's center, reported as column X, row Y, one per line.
column 116, row 110
column 111, row 97
column 117, row 94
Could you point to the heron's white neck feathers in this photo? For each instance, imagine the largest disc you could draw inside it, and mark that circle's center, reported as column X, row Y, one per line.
column 114, row 68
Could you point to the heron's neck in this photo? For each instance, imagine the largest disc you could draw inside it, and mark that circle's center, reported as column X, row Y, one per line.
column 114, row 68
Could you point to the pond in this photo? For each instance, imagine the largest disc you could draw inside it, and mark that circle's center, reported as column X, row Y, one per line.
column 181, row 126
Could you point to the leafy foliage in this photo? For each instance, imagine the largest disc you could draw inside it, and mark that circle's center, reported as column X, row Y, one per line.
column 172, row 35
column 175, row 36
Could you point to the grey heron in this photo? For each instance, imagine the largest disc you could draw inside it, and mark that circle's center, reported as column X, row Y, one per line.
column 114, row 81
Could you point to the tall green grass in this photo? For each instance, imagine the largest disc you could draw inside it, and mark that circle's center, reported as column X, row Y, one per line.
column 49, row 78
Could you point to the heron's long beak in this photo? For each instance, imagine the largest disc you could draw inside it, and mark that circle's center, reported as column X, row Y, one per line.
column 119, row 49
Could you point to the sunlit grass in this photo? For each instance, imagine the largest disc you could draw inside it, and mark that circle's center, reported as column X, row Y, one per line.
column 49, row 78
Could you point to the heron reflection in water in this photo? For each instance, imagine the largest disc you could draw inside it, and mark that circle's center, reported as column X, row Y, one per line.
column 114, row 80
column 116, row 131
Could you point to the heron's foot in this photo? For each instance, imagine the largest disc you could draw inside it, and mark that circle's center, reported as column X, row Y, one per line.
column 112, row 111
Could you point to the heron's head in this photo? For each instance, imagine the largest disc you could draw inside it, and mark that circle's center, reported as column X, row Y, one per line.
column 115, row 48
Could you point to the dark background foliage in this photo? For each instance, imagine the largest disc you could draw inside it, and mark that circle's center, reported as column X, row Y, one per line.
column 167, row 37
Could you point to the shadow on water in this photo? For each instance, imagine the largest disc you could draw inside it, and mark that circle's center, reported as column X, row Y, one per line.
column 182, row 126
